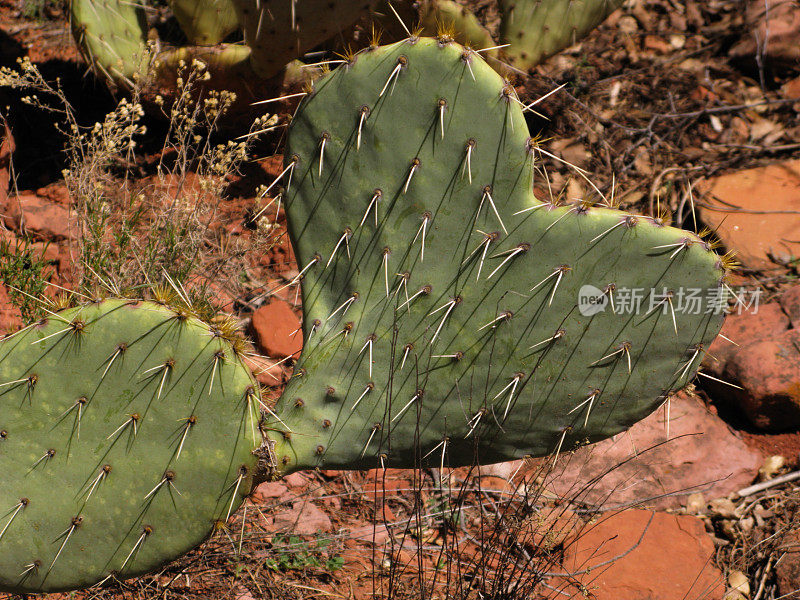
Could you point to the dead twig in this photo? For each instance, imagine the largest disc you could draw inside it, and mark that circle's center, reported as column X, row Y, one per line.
column 764, row 485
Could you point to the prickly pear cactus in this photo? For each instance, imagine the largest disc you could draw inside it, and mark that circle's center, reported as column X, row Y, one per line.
column 536, row 29
column 112, row 36
column 205, row 22
column 448, row 314
column 449, row 17
column 126, row 433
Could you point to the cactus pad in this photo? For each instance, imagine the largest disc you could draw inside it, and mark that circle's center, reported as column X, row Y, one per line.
column 205, row 22
column 278, row 32
column 126, row 433
column 536, row 29
column 450, row 18
column 441, row 298
column 112, row 36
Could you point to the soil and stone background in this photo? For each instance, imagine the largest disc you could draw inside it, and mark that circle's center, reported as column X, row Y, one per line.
column 685, row 108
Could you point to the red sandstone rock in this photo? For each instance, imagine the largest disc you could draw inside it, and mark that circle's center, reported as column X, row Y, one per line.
column 277, row 330
column 768, row 196
column 41, row 217
column 790, row 303
column 769, row 372
column 6, row 148
column 774, row 31
column 711, row 459
column 674, row 558
column 744, row 329
column 303, row 518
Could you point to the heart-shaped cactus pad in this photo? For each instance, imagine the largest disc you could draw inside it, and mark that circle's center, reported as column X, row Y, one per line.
column 449, row 315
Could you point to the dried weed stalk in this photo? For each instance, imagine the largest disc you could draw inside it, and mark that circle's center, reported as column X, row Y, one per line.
column 170, row 226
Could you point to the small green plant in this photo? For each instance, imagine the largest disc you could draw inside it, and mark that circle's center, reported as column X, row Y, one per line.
column 37, row 9
column 292, row 553
column 24, row 270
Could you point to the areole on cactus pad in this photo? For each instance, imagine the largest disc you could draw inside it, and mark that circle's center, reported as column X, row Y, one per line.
column 450, row 317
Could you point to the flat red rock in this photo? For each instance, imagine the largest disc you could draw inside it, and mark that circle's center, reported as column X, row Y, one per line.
column 277, row 330
column 638, row 554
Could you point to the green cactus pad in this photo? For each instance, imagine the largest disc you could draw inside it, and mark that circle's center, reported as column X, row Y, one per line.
column 126, row 433
column 112, row 36
column 205, row 22
column 278, row 32
column 449, row 17
column 536, row 29
column 479, row 348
